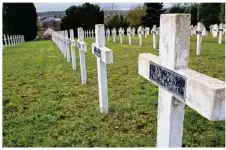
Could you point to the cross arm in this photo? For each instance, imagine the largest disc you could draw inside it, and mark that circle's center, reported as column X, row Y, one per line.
column 82, row 46
column 204, row 94
column 104, row 53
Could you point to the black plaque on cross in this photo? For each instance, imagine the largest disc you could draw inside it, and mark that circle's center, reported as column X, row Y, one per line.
column 97, row 52
column 199, row 32
column 167, row 79
column 220, row 29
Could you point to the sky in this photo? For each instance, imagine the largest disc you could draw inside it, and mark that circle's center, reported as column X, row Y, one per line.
column 40, row 7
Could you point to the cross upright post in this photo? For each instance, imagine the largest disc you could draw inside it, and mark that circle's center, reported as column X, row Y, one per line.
column 82, row 50
column 104, row 56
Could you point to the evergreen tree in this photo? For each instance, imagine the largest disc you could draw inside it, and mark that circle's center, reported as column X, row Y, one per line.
column 152, row 14
column 20, row 18
column 117, row 21
column 222, row 13
column 86, row 16
column 208, row 13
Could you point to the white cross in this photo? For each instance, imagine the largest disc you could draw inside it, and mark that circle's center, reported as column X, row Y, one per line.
column 200, row 27
column 153, row 31
column 139, row 31
column 129, row 34
column 120, row 32
column 82, row 50
column 104, row 56
column 67, row 42
column 92, row 34
column 9, row 42
column 108, row 34
column 72, row 45
column 5, row 41
column 220, row 33
column 134, row 31
column 113, row 32
column 179, row 85
column 123, row 31
column 215, row 30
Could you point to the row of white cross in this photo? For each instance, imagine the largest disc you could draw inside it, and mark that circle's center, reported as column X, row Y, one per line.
column 200, row 31
column 178, row 85
column 11, row 40
column 131, row 32
column 89, row 34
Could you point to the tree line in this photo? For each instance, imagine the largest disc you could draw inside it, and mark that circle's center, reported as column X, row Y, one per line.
column 21, row 18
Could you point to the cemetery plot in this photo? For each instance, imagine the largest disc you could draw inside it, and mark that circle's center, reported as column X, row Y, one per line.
column 45, row 104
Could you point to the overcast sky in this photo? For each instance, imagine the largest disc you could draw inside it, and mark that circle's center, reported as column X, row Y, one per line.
column 40, row 7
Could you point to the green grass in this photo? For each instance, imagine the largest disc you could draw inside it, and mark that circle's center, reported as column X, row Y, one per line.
column 45, row 105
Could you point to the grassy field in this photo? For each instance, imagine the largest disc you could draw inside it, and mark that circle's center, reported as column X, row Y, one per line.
column 45, row 105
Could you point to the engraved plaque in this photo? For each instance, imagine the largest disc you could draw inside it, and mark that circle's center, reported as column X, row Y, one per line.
column 97, row 52
column 168, row 80
column 220, row 29
column 199, row 32
column 153, row 32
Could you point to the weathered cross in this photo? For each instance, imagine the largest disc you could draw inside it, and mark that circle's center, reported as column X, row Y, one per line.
column 9, row 42
column 179, row 85
column 139, row 31
column 153, row 31
column 200, row 27
column 92, row 34
column 82, row 50
column 104, row 56
column 113, row 32
column 5, row 40
column 72, row 46
column 220, row 33
column 120, row 33
column 215, row 30
column 108, row 34
column 129, row 34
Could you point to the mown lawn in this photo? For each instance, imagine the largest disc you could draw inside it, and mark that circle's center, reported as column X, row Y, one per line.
column 45, row 105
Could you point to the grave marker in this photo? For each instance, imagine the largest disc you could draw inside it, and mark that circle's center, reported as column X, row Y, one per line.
column 72, row 45
column 139, row 31
column 179, row 85
column 200, row 27
column 5, row 44
column 129, row 34
column 134, row 31
column 215, row 30
column 104, row 56
column 9, row 43
column 220, row 33
column 153, row 31
column 82, row 50
column 120, row 33
column 108, row 34
column 113, row 32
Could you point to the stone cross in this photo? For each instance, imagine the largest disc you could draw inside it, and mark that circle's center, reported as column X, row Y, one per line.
column 123, row 31
column 153, row 31
column 129, row 32
column 67, row 40
column 92, row 34
column 72, row 46
column 133, row 31
column 200, row 27
column 11, row 38
column 113, row 32
column 104, row 56
column 204, row 32
column 82, row 50
column 9, row 42
column 108, row 34
column 194, row 29
column 139, row 31
column 191, row 30
column 120, row 33
column 211, row 29
column 5, row 41
column 220, row 33
column 179, row 85
column 63, row 46
column 215, row 30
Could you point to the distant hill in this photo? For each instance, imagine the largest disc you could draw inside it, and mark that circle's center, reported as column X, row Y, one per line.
column 59, row 14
